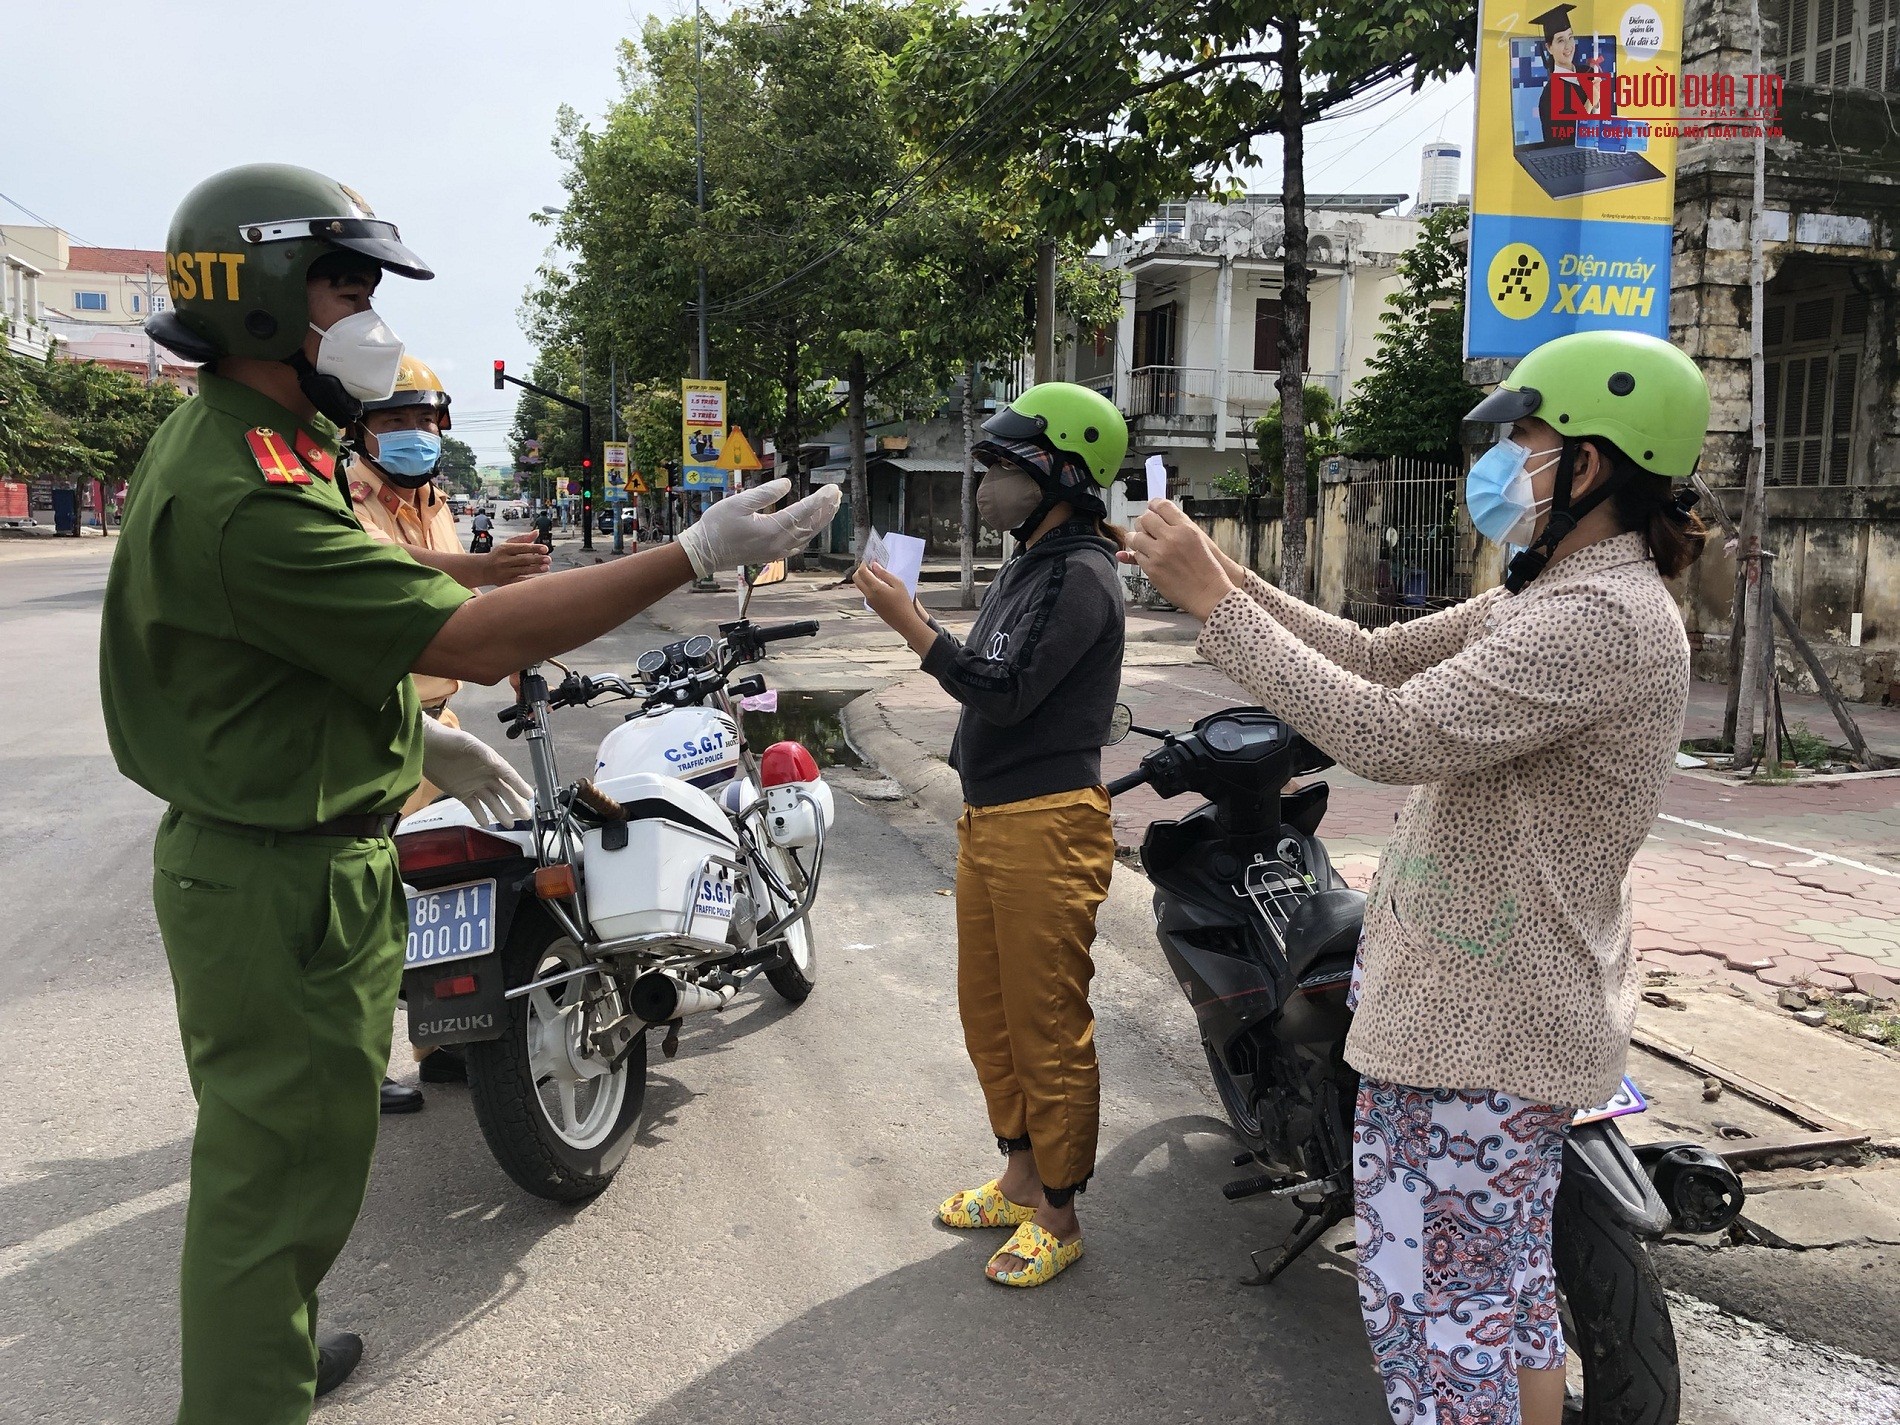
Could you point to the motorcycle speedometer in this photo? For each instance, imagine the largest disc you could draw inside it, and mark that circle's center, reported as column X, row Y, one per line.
column 698, row 648
column 652, row 663
column 1225, row 736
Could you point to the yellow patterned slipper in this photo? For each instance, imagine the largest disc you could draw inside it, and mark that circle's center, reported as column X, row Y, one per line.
column 983, row 1207
column 1039, row 1247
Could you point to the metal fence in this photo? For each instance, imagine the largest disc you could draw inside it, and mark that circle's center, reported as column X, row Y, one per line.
column 1408, row 541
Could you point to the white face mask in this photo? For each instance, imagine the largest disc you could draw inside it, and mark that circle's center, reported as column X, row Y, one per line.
column 361, row 352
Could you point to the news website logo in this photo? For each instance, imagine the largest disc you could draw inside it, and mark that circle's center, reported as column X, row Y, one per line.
column 1659, row 104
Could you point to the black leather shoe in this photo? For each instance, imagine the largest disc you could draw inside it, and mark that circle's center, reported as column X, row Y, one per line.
column 444, row 1066
column 400, row 1098
column 337, row 1355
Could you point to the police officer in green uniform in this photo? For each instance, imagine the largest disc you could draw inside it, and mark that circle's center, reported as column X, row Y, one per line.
column 255, row 656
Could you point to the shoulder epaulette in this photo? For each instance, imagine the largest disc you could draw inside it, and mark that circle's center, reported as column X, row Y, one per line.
column 275, row 457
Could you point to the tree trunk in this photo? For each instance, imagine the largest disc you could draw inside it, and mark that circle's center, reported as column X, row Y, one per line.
column 860, row 477
column 966, row 545
column 789, row 464
column 1293, row 309
column 787, row 436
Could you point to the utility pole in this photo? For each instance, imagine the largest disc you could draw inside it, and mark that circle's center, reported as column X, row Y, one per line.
column 613, row 424
column 1754, row 618
column 699, row 175
column 1046, row 310
column 151, row 347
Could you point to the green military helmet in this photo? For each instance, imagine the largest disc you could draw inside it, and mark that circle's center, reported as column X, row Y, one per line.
column 239, row 255
column 1071, row 439
column 1636, row 391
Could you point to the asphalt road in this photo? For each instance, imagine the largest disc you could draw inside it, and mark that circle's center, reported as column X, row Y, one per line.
column 767, row 1254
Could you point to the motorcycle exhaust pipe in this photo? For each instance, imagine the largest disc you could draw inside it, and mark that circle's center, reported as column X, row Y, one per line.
column 658, row 997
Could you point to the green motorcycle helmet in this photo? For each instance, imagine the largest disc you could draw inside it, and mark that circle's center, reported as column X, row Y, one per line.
column 1069, row 438
column 1637, row 392
column 239, row 254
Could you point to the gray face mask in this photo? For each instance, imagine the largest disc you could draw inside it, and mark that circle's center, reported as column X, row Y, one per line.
column 1006, row 497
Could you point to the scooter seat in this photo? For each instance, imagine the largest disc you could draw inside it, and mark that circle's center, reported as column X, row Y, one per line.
column 1325, row 923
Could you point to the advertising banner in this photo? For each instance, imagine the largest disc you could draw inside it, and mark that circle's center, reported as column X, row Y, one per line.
column 1574, row 175
column 702, row 434
column 614, row 460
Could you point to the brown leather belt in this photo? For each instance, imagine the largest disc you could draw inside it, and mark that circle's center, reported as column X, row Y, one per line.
column 362, row 827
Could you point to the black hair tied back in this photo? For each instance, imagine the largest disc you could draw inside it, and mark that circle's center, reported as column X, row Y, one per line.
column 1658, row 509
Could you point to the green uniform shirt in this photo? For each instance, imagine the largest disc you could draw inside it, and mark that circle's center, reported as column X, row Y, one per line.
column 255, row 650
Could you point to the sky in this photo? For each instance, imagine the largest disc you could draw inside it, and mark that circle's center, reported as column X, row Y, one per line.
column 440, row 114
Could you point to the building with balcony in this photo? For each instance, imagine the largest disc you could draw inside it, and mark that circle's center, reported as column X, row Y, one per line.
column 20, row 311
column 1194, row 360
column 84, row 286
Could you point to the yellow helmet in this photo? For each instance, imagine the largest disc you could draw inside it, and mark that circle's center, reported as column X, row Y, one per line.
column 416, row 385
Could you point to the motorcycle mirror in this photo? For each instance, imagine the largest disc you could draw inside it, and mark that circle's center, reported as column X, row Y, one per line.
column 1121, row 722
column 758, row 576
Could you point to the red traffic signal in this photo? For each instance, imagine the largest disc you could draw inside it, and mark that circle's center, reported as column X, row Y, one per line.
column 500, row 367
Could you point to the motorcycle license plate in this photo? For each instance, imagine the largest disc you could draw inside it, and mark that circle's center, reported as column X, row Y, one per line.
column 1626, row 1100
column 454, row 923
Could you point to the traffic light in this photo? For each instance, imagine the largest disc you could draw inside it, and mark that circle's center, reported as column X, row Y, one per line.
column 587, row 476
column 500, row 368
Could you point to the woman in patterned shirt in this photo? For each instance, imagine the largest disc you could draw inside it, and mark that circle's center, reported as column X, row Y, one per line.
column 1495, row 987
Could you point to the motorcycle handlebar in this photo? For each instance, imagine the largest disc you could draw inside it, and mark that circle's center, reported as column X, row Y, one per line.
column 804, row 628
column 1134, row 779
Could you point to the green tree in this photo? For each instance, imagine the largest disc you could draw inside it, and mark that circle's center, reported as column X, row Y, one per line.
column 1413, row 397
column 1117, row 110
column 825, row 266
column 457, row 469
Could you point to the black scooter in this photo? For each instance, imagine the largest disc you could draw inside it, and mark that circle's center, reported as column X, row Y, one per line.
column 1261, row 932
column 481, row 542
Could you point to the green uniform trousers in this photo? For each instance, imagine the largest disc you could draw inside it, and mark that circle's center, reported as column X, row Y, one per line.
column 285, row 953
column 1030, row 876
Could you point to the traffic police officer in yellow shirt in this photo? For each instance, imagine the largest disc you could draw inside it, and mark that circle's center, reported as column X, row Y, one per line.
column 397, row 447
column 256, row 649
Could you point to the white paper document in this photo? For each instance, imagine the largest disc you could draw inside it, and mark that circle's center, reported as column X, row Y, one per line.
column 900, row 554
column 1157, row 478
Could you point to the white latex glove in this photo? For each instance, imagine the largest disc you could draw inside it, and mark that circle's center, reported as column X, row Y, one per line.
column 472, row 772
column 735, row 532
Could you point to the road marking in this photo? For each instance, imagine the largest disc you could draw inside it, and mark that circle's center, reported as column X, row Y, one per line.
column 22, row 1255
column 1781, row 846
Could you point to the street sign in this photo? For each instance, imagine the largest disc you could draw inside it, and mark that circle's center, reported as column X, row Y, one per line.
column 737, row 453
column 702, row 433
column 614, row 461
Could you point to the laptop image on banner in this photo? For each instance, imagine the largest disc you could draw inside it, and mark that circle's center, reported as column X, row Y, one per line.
column 1586, row 153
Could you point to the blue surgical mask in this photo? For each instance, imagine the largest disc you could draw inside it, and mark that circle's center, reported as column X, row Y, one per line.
column 1498, row 493
column 409, row 457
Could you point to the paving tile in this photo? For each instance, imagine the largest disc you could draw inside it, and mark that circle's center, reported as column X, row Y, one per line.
column 1879, row 986
column 1788, row 972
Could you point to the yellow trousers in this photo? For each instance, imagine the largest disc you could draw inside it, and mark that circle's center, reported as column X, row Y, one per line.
column 1030, row 876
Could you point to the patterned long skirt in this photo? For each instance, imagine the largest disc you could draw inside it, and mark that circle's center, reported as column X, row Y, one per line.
column 1454, row 1191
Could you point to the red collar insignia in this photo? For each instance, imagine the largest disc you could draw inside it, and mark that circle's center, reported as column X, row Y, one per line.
column 320, row 460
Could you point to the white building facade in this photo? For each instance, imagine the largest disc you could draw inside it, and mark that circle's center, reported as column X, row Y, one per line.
column 1194, row 359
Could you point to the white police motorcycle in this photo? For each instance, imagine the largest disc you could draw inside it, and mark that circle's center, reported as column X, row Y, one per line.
column 656, row 889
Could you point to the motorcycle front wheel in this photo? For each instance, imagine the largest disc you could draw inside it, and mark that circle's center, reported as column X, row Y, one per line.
column 1616, row 1319
column 558, row 1121
column 795, row 974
